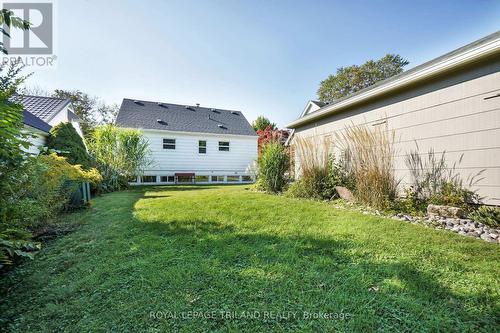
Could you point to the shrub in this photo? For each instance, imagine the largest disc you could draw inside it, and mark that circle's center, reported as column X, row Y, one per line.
column 45, row 185
column 65, row 140
column 487, row 215
column 273, row 167
column 432, row 181
column 369, row 158
column 319, row 172
column 119, row 154
column 43, row 188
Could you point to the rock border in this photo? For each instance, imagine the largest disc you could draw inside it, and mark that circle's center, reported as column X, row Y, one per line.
column 464, row 227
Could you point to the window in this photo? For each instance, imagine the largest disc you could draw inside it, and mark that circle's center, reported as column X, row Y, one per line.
column 185, row 179
column 246, row 178
column 233, row 179
column 201, row 179
column 217, row 179
column 223, row 145
column 167, row 179
column 202, row 147
column 148, row 179
column 168, row 143
column 132, row 179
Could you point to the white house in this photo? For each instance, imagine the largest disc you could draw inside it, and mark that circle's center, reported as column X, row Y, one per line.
column 192, row 144
column 450, row 104
column 42, row 113
column 38, row 130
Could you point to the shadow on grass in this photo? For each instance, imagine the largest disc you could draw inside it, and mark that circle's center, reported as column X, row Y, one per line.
column 391, row 295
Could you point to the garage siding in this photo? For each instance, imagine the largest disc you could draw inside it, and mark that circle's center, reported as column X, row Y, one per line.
column 458, row 114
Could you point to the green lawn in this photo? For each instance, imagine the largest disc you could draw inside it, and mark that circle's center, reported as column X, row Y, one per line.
column 150, row 259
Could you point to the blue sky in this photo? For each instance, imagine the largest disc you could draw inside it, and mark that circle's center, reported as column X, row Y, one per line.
column 261, row 57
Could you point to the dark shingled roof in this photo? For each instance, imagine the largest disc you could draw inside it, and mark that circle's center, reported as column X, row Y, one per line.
column 43, row 107
column 35, row 122
column 318, row 103
column 181, row 118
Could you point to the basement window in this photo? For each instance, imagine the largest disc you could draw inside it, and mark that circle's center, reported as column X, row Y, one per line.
column 246, row 178
column 217, row 179
column 168, row 143
column 148, row 179
column 201, row 179
column 167, row 179
column 233, row 179
column 202, row 147
column 223, row 145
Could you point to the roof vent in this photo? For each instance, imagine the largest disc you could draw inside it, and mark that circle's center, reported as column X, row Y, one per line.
column 138, row 102
column 160, row 104
column 221, row 126
column 234, row 112
column 161, row 122
column 189, row 107
column 197, row 105
column 215, row 111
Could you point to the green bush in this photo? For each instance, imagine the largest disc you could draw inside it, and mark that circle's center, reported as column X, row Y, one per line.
column 43, row 187
column 65, row 140
column 487, row 215
column 119, row 155
column 273, row 167
column 319, row 182
column 433, row 182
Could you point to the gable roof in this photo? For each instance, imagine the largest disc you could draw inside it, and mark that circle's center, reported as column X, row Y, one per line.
column 482, row 48
column 35, row 122
column 42, row 107
column 181, row 118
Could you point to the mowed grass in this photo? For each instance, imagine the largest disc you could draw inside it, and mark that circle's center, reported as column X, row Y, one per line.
column 223, row 258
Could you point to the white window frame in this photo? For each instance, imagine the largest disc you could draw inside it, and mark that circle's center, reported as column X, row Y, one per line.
column 228, row 146
column 206, row 147
column 173, row 181
column 217, row 181
column 169, row 144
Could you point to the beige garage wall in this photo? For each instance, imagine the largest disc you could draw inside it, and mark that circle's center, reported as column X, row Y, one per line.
column 458, row 114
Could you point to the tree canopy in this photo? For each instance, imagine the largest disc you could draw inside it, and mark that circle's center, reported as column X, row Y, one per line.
column 7, row 18
column 66, row 141
column 348, row 80
column 261, row 123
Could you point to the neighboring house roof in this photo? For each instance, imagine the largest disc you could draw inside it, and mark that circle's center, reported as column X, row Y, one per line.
column 181, row 118
column 482, row 48
column 319, row 103
column 44, row 108
column 35, row 122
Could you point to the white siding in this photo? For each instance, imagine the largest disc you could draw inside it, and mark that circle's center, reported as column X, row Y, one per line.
column 186, row 158
column 452, row 114
column 36, row 139
column 62, row 117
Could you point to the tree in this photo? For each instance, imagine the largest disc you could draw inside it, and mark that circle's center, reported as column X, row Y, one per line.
column 66, row 141
column 7, row 18
column 90, row 109
column 83, row 105
column 348, row 80
column 270, row 135
column 261, row 123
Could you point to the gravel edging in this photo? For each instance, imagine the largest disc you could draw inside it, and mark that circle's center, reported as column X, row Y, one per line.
column 464, row 227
